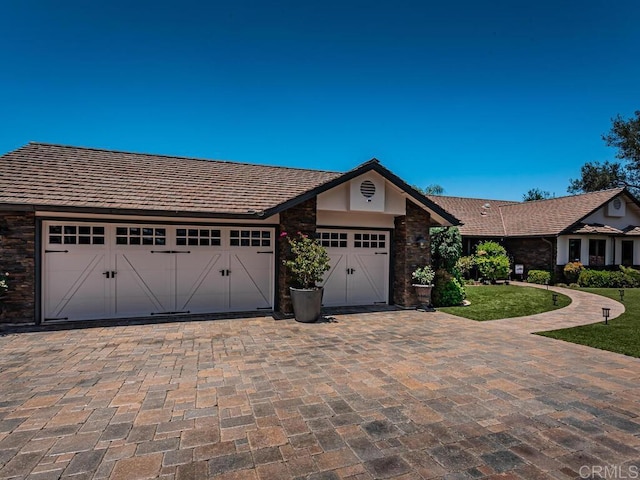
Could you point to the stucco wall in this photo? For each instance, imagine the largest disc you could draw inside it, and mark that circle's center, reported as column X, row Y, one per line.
column 17, row 258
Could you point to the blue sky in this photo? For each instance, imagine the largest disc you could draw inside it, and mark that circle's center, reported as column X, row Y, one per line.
column 486, row 98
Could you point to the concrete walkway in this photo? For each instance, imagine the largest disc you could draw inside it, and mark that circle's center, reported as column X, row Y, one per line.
column 396, row 394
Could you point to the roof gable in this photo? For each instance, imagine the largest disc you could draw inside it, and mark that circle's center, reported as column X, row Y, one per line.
column 494, row 218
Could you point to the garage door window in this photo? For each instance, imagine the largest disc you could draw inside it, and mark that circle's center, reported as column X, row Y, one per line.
column 141, row 236
column 250, row 238
column 369, row 240
column 203, row 237
column 333, row 239
column 76, row 235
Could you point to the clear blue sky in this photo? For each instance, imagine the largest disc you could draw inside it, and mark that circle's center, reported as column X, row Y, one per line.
column 486, row 98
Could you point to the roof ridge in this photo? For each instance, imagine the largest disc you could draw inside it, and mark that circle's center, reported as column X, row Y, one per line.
column 178, row 157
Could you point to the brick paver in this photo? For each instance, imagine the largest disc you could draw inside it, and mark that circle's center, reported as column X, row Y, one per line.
column 392, row 394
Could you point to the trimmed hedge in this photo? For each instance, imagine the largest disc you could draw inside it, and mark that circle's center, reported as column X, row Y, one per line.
column 624, row 278
column 541, row 277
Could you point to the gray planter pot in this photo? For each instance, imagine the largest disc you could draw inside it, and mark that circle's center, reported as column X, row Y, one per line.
column 423, row 292
column 306, row 303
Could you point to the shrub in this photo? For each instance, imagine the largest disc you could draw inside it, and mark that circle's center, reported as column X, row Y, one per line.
column 561, row 285
column 572, row 271
column 424, row 275
column 541, row 277
column 447, row 291
column 631, row 276
column 446, row 247
column 492, row 261
column 574, row 285
column 465, row 264
column 601, row 279
column 309, row 261
column 492, row 249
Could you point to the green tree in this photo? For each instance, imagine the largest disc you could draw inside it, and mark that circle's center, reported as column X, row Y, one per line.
column 492, row 261
column 624, row 136
column 446, row 247
column 433, row 189
column 535, row 194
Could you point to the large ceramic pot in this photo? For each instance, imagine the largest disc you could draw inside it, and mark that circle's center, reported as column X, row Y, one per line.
column 306, row 303
column 423, row 292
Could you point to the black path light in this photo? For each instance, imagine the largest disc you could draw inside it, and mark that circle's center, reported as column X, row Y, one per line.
column 555, row 298
column 605, row 314
column 621, row 291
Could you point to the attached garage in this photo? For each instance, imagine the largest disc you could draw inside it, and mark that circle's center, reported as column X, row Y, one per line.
column 359, row 272
column 101, row 270
column 90, row 234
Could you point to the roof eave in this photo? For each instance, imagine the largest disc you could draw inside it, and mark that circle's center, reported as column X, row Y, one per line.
column 371, row 165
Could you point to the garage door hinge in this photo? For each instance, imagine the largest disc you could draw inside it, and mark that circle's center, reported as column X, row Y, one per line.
column 56, row 318
column 170, row 251
column 268, row 251
column 56, row 251
column 381, row 253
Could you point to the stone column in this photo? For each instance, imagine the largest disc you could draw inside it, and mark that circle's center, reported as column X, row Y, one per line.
column 407, row 254
column 301, row 218
column 17, row 258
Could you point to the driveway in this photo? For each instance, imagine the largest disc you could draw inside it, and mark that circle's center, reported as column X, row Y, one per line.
column 397, row 394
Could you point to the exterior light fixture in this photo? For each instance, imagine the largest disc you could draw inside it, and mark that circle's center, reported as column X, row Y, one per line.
column 554, row 297
column 421, row 242
column 621, row 291
column 605, row 314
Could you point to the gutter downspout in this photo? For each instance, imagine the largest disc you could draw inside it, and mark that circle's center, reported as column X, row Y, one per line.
column 553, row 266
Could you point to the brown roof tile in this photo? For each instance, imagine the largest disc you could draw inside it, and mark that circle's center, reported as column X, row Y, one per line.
column 521, row 219
column 55, row 175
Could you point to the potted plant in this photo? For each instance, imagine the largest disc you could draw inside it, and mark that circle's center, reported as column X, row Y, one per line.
column 307, row 265
column 423, row 283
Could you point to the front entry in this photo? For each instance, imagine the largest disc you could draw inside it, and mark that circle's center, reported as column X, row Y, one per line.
column 93, row 270
column 359, row 262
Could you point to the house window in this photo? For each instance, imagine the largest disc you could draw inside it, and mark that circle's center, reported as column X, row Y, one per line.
column 596, row 252
column 627, row 252
column 574, row 249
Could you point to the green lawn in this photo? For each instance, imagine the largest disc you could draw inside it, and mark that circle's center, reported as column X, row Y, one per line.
column 622, row 335
column 490, row 302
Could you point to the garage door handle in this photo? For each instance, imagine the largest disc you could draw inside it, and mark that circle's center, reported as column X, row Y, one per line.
column 106, row 274
column 350, row 271
column 225, row 273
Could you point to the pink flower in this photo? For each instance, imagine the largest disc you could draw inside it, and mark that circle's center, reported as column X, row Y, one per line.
column 283, row 234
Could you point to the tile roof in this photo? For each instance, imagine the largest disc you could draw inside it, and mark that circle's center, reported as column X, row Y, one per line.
column 42, row 174
column 496, row 218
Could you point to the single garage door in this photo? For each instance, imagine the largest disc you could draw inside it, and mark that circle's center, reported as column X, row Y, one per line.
column 359, row 272
column 96, row 270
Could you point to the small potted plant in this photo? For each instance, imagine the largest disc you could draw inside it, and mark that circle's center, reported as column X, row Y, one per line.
column 308, row 263
column 423, row 283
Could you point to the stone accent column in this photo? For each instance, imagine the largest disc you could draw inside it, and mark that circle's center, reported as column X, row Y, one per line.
column 301, row 218
column 17, row 258
column 407, row 254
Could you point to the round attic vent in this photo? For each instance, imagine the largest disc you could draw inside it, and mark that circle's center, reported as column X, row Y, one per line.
column 367, row 189
column 617, row 203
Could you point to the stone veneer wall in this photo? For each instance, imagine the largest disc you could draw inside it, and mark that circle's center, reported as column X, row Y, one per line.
column 17, row 258
column 301, row 218
column 533, row 253
column 407, row 255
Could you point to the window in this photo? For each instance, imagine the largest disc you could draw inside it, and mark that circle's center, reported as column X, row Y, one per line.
column 203, row 237
column 250, row 238
column 76, row 235
column 370, row 240
column 575, row 245
column 141, row 236
column 332, row 239
column 596, row 252
column 627, row 252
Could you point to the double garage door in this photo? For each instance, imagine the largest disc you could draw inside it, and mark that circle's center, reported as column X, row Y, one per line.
column 110, row 270
column 359, row 262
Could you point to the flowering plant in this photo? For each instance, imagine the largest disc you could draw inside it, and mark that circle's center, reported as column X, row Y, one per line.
column 309, row 260
column 423, row 275
column 4, row 283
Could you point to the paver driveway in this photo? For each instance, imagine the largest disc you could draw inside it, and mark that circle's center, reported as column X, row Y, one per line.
column 399, row 394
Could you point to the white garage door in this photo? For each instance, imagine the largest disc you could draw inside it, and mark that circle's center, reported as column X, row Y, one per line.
column 123, row 270
column 359, row 272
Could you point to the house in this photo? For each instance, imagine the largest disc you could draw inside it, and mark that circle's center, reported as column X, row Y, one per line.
column 98, row 234
column 599, row 229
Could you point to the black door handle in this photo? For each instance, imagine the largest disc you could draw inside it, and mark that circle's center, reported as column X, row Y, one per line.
column 106, row 274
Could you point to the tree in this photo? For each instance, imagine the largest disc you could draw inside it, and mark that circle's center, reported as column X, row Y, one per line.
column 433, row 189
column 625, row 137
column 535, row 194
column 446, row 247
column 595, row 176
